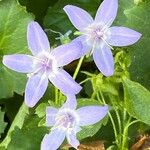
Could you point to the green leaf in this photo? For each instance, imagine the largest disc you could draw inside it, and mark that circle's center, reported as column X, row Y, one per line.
column 2, row 122
column 29, row 137
column 137, row 17
column 13, row 26
column 91, row 130
column 38, row 7
column 137, row 100
column 17, row 122
column 41, row 110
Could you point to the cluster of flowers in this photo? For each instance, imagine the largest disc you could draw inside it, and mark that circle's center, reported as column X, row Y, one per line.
column 97, row 38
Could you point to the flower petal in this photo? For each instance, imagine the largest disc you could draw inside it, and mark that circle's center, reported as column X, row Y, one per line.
column 65, row 54
column 103, row 59
column 72, row 140
column 78, row 17
column 122, row 36
column 19, row 62
column 107, row 12
column 85, row 48
column 35, row 89
column 91, row 114
column 37, row 39
column 63, row 81
column 53, row 140
column 71, row 102
column 50, row 116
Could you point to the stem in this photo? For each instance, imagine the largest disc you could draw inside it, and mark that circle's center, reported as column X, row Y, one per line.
column 56, row 96
column 111, row 119
column 78, row 67
column 119, row 122
column 125, row 133
column 17, row 122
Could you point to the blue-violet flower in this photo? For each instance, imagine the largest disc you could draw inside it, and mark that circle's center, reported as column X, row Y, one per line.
column 67, row 121
column 97, row 36
column 44, row 64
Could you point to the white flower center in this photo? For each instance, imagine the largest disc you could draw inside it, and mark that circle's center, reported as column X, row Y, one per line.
column 66, row 119
column 44, row 63
column 96, row 34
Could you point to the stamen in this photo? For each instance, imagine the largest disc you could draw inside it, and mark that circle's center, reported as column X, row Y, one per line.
column 29, row 75
column 107, row 43
column 93, row 47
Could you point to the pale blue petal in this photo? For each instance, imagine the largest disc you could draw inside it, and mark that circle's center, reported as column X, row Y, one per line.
column 91, row 114
column 19, row 62
column 71, row 102
column 37, row 39
column 63, row 81
column 85, row 48
column 50, row 116
column 72, row 140
column 107, row 12
column 35, row 89
column 122, row 36
column 53, row 140
column 78, row 17
column 67, row 53
column 103, row 59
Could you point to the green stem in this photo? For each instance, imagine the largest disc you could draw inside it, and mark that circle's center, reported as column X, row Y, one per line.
column 125, row 134
column 78, row 67
column 111, row 119
column 17, row 122
column 56, row 96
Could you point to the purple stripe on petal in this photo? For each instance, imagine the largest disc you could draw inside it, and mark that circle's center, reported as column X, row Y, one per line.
column 65, row 54
column 122, row 36
column 85, row 48
column 37, row 39
column 72, row 140
column 53, row 140
column 103, row 59
column 35, row 89
column 91, row 114
column 107, row 12
column 19, row 62
column 71, row 102
column 79, row 17
column 50, row 116
column 63, row 81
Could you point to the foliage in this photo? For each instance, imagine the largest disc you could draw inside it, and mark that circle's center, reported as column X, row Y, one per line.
column 126, row 92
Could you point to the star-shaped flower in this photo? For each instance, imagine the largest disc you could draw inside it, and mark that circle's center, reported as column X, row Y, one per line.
column 44, row 64
column 97, row 36
column 67, row 121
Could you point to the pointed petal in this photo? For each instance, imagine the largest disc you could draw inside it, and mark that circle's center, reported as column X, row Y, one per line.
column 71, row 102
column 103, row 59
column 35, row 89
column 50, row 116
column 63, row 81
column 107, row 12
column 19, row 62
column 37, row 39
column 67, row 53
column 72, row 140
column 85, row 48
column 91, row 114
column 53, row 140
column 78, row 17
column 122, row 36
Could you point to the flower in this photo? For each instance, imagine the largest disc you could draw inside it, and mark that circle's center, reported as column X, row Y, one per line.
column 44, row 64
column 97, row 36
column 67, row 121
